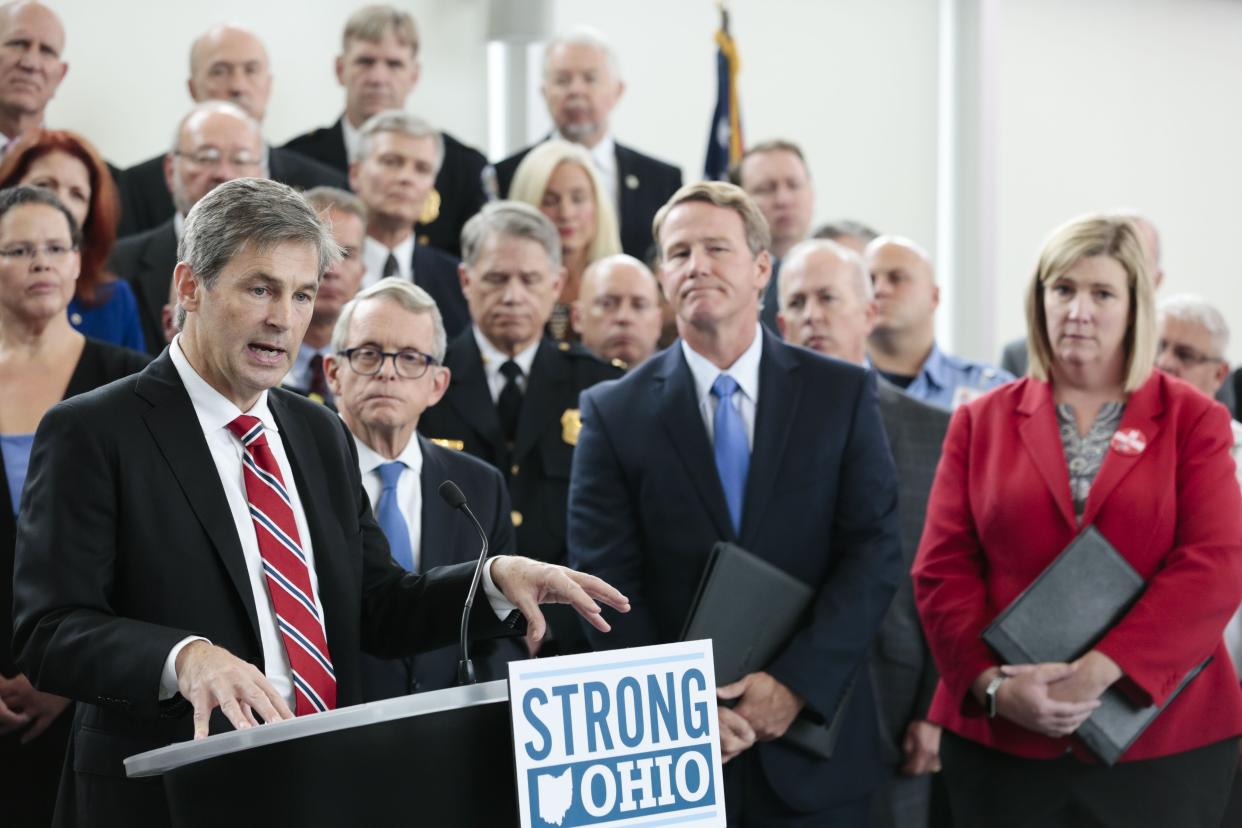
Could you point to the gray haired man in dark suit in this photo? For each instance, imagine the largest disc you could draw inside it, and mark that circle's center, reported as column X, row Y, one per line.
column 827, row 304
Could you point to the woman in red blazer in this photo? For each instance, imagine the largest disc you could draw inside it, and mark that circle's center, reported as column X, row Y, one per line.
column 1093, row 436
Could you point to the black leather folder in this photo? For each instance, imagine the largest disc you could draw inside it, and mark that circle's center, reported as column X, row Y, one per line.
column 1078, row 598
column 750, row 609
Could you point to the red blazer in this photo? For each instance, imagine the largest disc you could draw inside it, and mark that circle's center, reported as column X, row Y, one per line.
column 1000, row 511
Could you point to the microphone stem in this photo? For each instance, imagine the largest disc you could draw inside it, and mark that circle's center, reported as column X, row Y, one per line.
column 465, row 669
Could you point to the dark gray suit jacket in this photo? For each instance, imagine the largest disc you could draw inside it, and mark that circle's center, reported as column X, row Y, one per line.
column 905, row 675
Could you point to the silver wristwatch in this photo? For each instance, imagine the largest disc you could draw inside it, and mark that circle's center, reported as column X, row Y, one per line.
column 990, row 693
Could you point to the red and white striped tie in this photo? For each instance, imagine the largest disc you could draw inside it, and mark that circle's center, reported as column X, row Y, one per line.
column 286, row 572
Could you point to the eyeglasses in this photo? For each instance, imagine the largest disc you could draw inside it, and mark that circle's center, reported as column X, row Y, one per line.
column 51, row 250
column 1184, row 353
column 410, row 364
column 212, row 157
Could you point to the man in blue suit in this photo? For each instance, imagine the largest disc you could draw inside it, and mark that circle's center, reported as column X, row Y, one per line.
column 732, row 435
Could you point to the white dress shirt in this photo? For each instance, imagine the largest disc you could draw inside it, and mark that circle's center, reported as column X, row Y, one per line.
column 604, row 154
column 214, row 413
column 410, row 501
column 375, row 256
column 352, row 139
column 409, row 487
column 745, row 372
column 493, row 358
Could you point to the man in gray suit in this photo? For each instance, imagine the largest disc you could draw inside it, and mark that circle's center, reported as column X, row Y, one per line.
column 827, row 304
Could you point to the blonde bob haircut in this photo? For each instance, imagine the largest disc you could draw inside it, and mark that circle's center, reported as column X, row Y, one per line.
column 721, row 194
column 1095, row 234
column 530, row 182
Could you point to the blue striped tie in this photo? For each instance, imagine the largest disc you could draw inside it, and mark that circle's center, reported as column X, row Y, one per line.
column 388, row 513
column 732, row 447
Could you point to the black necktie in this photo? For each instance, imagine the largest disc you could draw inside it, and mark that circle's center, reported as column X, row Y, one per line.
column 509, row 404
column 390, row 266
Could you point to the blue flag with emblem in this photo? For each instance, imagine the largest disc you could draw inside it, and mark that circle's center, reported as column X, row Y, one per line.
column 724, row 139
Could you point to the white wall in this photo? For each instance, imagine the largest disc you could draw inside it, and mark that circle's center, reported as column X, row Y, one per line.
column 129, row 60
column 1100, row 103
column 853, row 81
column 1122, row 103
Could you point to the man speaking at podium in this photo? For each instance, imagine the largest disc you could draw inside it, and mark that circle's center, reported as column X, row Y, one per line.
column 732, row 435
column 197, row 551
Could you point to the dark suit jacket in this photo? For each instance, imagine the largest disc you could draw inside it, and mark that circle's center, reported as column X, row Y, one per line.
column 772, row 299
column 40, row 761
column 1000, row 512
column 904, row 672
column 644, row 184
column 646, row 505
column 448, row 537
column 537, row 469
column 146, row 202
column 436, row 272
column 147, row 261
column 459, row 182
column 133, row 548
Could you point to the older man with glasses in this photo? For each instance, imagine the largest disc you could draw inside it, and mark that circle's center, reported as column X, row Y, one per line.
column 215, row 142
column 385, row 371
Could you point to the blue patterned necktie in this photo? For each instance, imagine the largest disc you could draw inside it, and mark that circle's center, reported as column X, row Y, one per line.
column 732, row 447
column 388, row 513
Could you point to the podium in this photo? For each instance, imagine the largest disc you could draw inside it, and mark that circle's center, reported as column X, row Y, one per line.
column 443, row 758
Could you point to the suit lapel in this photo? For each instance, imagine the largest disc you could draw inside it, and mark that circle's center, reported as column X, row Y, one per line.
column 435, row 538
column 1142, row 414
column 175, row 428
column 627, row 197
column 779, row 392
column 311, row 479
column 678, row 405
column 549, row 378
column 1039, row 435
column 472, row 401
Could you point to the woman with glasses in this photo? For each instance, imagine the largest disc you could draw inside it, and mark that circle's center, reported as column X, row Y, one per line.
column 559, row 179
column 103, row 307
column 1092, row 437
column 42, row 361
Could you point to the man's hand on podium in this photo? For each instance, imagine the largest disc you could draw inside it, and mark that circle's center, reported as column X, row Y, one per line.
column 529, row 583
column 209, row 677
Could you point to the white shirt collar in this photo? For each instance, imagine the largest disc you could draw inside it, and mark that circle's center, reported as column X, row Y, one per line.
column 178, row 225
column 351, row 139
column 214, row 410
column 375, row 256
column 493, row 357
column 745, row 370
column 369, row 459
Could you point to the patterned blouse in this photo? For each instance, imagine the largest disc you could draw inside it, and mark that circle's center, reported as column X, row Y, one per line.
column 1085, row 455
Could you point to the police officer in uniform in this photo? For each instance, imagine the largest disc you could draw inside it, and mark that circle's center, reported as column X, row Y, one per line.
column 513, row 397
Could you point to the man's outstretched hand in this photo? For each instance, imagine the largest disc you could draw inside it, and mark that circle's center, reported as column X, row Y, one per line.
column 529, row 583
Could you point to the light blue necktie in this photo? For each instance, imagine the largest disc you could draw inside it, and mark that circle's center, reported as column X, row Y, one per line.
column 388, row 513
column 732, row 448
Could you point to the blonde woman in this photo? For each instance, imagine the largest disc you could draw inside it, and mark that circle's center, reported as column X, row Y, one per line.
column 560, row 180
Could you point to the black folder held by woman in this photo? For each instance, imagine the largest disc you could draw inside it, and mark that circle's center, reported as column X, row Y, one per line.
column 1078, row 598
column 750, row 609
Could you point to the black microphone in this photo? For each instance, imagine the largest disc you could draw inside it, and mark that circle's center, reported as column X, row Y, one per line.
column 454, row 498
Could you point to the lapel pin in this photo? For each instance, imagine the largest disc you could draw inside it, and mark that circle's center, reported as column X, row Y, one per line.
column 631, row 181
column 1129, row 441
